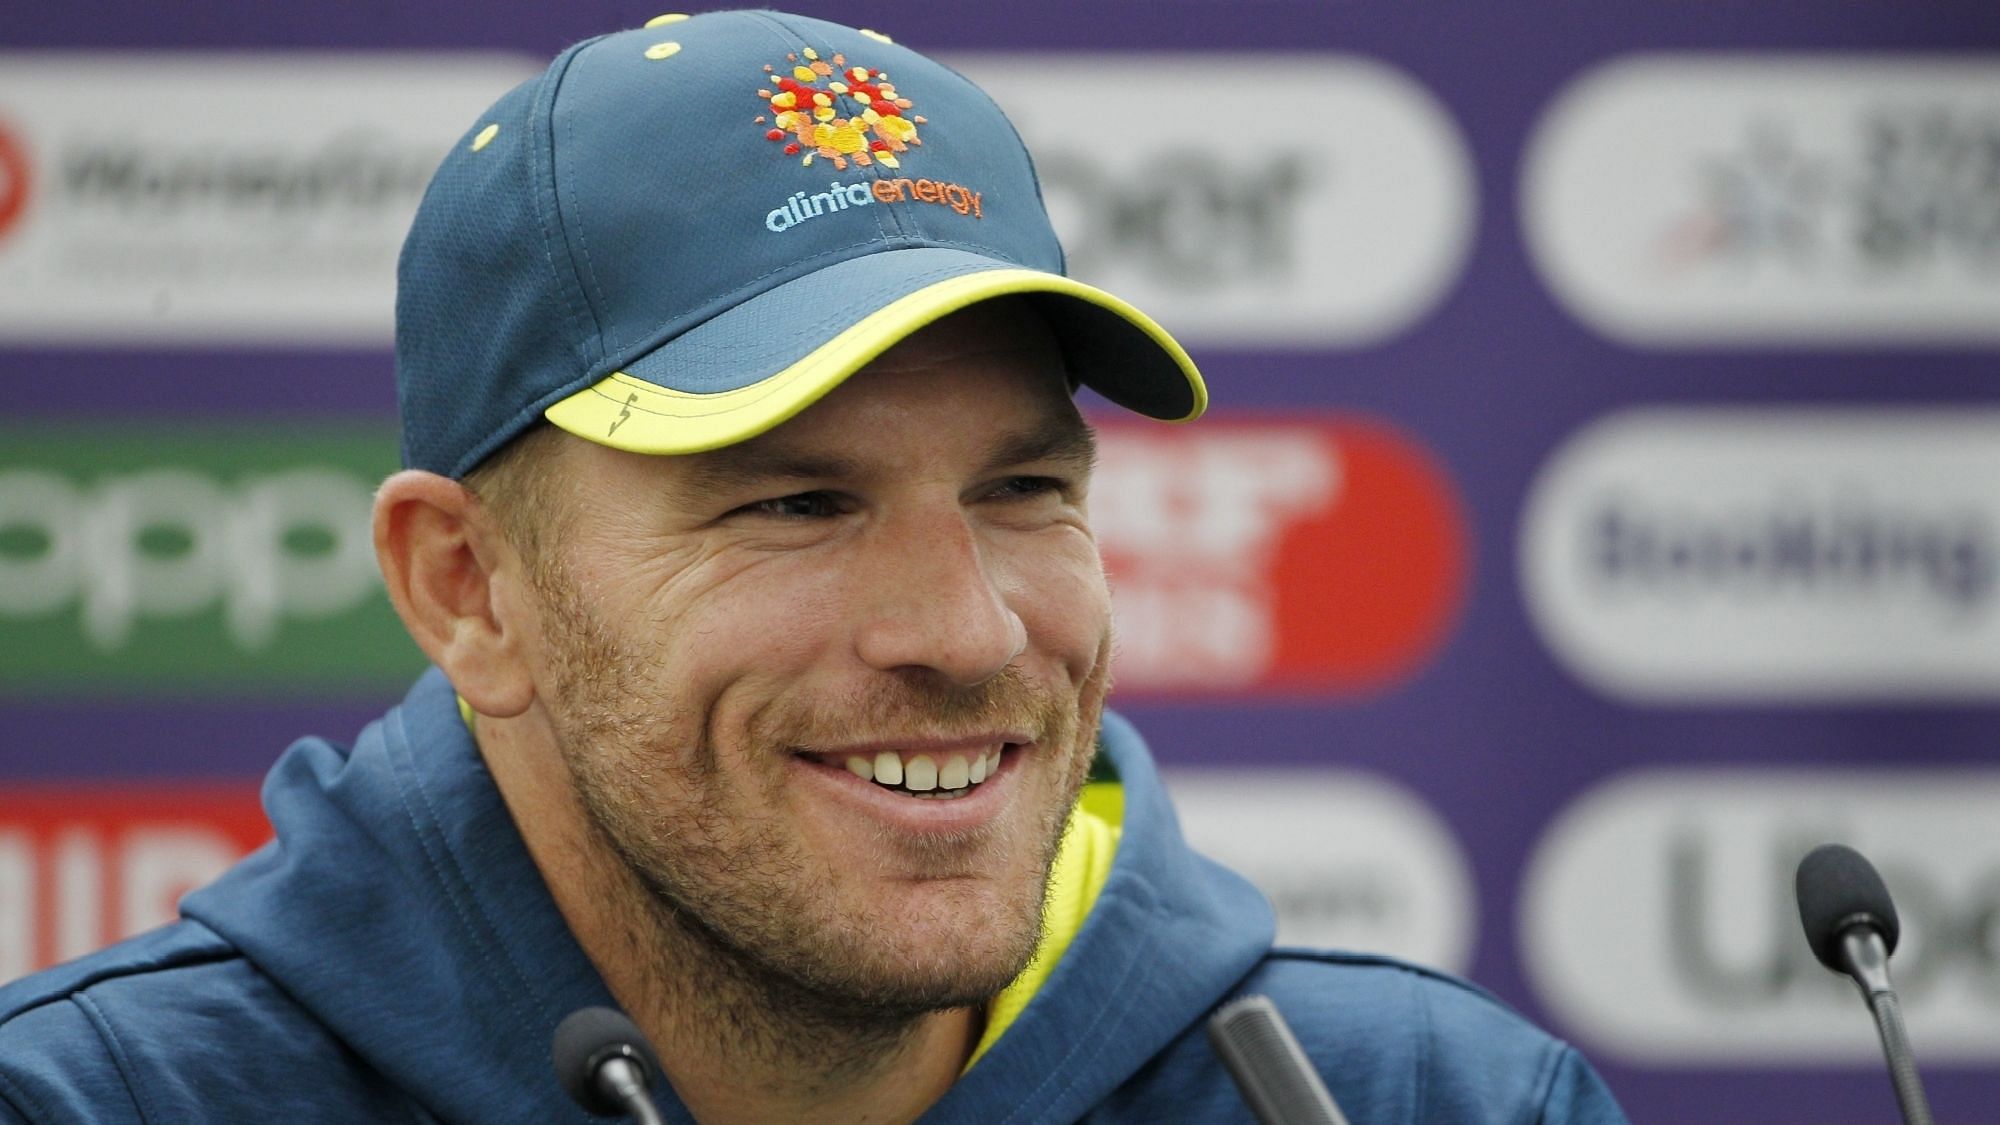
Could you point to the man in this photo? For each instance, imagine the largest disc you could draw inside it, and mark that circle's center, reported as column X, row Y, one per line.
column 746, row 521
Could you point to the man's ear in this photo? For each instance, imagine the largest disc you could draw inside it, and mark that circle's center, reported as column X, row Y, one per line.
column 449, row 572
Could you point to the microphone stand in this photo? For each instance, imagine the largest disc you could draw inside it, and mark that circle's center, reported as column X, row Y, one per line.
column 1868, row 963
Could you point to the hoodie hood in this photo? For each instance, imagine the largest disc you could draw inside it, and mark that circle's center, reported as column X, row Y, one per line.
column 399, row 906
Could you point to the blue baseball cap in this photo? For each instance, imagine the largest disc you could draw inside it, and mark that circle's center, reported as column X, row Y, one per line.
column 679, row 236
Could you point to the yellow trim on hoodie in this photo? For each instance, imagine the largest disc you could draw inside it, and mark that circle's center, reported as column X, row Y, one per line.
column 1083, row 863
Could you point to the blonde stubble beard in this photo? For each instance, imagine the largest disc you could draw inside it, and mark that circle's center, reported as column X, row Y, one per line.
column 744, row 958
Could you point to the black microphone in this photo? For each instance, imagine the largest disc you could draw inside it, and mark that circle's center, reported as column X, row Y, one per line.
column 1271, row 1070
column 605, row 1063
column 1852, row 928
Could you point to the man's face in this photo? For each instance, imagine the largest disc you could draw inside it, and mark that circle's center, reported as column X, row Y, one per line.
column 904, row 574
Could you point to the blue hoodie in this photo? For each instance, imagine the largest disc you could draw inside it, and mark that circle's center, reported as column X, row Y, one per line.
column 395, row 956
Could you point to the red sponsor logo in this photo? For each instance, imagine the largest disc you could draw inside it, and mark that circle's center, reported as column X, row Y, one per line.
column 1323, row 556
column 13, row 179
column 82, row 866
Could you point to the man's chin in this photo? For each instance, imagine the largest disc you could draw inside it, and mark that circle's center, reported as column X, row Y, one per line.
column 924, row 960
column 891, row 992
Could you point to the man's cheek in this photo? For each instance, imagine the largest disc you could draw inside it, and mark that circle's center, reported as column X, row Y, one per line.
column 1068, row 615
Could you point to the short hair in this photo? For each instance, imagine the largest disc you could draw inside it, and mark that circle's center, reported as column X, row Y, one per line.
column 520, row 484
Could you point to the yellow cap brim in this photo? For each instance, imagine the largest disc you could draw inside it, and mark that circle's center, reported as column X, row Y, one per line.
column 626, row 412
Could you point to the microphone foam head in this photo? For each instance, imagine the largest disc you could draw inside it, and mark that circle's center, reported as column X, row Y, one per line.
column 584, row 1040
column 1837, row 889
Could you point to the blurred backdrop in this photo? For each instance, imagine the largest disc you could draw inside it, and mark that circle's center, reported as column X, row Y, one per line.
column 1600, row 506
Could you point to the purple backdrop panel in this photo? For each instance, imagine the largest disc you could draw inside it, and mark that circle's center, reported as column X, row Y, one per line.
column 1596, row 512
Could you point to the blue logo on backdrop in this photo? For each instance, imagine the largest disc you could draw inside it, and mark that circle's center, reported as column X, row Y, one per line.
column 1848, row 549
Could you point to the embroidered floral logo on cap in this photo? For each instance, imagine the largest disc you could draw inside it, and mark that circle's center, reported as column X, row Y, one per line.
column 840, row 112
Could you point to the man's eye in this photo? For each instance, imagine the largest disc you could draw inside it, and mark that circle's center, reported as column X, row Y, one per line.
column 799, row 505
column 1022, row 487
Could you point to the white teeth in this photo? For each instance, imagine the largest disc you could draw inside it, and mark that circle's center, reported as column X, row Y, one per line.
column 955, row 774
column 889, row 768
column 921, row 774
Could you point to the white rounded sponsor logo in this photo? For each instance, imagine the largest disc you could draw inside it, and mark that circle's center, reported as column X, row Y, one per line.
column 1687, row 199
column 236, row 197
column 1770, row 554
column 1334, row 207
column 237, row 546
column 1658, row 921
column 1349, row 860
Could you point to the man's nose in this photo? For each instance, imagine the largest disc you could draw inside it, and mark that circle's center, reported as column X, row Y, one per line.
column 933, row 602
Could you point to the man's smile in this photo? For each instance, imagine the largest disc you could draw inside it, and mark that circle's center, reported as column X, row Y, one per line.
column 936, row 769
column 923, row 791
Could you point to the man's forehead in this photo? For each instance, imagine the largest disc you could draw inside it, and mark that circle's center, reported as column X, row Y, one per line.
column 826, row 443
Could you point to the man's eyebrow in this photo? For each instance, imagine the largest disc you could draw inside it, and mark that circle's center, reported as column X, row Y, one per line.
column 1064, row 438
column 736, row 467
column 739, row 467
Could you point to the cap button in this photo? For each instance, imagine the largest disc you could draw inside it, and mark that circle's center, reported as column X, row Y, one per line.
column 670, row 17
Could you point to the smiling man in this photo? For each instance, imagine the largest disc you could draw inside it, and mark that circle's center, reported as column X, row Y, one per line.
column 746, row 519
